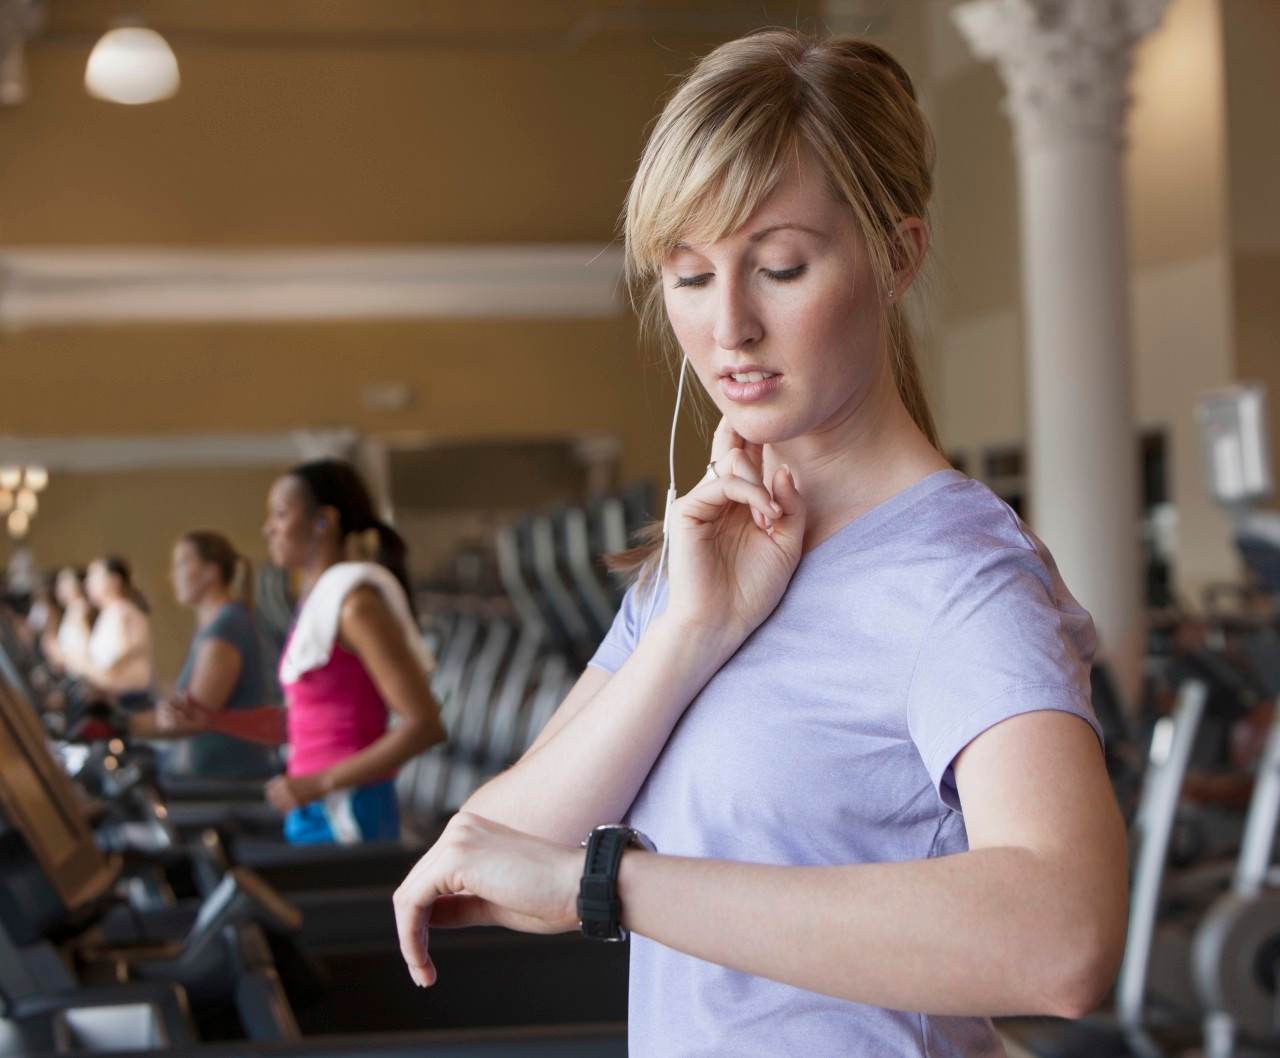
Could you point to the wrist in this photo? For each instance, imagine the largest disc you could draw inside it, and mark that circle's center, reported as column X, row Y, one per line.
column 599, row 908
column 698, row 647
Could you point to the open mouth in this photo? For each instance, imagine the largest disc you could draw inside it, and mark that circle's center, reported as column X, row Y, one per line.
column 752, row 376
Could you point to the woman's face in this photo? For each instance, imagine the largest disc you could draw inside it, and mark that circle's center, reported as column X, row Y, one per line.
column 289, row 529
column 100, row 584
column 781, row 320
column 67, row 588
column 190, row 575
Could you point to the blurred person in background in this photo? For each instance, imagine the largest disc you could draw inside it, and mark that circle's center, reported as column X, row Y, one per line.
column 44, row 615
column 354, row 656
column 68, row 649
column 118, row 659
column 224, row 668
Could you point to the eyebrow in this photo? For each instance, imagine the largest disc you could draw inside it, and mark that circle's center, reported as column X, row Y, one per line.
column 764, row 233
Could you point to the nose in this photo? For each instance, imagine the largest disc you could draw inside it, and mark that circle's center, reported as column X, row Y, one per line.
column 737, row 322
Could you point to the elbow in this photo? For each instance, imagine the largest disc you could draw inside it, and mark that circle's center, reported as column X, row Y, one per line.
column 1089, row 959
column 428, row 732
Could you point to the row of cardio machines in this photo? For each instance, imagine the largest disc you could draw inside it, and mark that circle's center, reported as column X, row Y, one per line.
column 512, row 624
column 143, row 914
column 1202, row 955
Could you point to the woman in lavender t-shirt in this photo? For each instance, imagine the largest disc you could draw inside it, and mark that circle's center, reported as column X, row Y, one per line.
column 851, row 709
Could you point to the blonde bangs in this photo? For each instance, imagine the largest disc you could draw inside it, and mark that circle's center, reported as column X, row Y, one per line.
column 714, row 195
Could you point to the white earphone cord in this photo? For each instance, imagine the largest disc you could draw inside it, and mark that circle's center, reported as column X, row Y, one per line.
column 671, row 497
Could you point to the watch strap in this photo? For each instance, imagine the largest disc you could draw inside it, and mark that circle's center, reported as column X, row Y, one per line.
column 599, row 908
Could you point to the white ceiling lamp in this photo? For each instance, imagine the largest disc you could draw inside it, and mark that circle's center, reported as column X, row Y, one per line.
column 132, row 65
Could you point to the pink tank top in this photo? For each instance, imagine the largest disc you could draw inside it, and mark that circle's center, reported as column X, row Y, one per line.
column 333, row 712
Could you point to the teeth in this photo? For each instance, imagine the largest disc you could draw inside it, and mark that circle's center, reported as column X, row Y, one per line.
column 753, row 376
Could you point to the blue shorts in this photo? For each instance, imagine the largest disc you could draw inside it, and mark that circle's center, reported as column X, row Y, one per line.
column 364, row 813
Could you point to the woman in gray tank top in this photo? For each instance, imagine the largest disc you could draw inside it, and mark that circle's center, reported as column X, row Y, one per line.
column 224, row 668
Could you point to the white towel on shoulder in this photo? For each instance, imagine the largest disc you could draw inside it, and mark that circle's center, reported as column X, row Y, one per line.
column 317, row 626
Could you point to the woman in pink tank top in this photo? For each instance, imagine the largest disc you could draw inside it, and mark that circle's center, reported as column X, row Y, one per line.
column 353, row 658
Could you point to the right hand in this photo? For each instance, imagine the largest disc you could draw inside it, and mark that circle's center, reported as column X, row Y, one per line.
column 181, row 711
column 734, row 543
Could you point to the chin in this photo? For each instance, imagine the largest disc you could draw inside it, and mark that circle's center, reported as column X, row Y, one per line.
column 759, row 430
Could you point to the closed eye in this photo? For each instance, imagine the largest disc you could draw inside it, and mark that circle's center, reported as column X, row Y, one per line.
column 784, row 274
column 692, row 281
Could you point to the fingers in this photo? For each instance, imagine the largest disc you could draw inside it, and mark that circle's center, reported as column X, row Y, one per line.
column 709, row 499
column 731, row 454
column 737, row 463
column 723, row 441
column 786, row 492
column 279, row 794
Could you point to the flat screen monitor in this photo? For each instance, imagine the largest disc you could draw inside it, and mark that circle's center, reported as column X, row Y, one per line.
column 1233, row 433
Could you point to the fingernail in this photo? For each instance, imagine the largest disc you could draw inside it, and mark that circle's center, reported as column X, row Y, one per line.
column 791, row 474
column 776, row 508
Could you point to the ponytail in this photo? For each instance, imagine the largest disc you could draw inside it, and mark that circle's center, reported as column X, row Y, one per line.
column 380, row 543
column 234, row 570
column 906, row 375
column 363, row 536
column 241, row 586
column 116, row 565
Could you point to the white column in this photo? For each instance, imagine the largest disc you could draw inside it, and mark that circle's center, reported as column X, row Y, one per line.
column 1065, row 64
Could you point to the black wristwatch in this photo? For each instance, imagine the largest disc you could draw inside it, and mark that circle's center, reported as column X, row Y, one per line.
column 598, row 904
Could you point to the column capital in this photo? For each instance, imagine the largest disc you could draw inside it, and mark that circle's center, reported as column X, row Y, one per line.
column 1065, row 63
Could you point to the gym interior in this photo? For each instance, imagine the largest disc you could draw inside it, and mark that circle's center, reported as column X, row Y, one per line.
column 388, row 233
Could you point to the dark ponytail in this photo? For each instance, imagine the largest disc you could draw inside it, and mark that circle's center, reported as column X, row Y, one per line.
column 334, row 483
column 118, row 566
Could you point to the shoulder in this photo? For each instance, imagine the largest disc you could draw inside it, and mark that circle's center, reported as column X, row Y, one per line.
column 363, row 599
column 964, row 531
column 232, row 622
column 363, row 606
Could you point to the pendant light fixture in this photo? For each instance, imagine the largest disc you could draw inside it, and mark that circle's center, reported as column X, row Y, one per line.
column 131, row 64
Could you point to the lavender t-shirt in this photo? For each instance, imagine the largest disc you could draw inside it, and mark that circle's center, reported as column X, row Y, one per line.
column 828, row 738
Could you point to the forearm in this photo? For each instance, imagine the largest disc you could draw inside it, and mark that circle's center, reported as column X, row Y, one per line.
column 989, row 932
column 590, row 771
column 383, row 756
column 264, row 724
column 146, row 725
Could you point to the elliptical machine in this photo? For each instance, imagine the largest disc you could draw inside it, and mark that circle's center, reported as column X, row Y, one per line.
column 1220, row 965
column 1236, row 950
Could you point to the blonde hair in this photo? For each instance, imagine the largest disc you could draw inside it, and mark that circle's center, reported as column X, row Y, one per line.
column 727, row 136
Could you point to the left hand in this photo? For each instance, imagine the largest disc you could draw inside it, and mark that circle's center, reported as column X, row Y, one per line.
column 481, row 873
column 287, row 792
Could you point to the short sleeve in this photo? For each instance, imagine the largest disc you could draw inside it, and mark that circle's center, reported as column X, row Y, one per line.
column 628, row 626
column 230, row 626
column 1006, row 639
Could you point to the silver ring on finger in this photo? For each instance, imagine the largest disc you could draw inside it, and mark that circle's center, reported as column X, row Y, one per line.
column 712, row 467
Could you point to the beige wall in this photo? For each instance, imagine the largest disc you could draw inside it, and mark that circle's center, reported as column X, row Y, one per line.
column 138, row 515
column 1251, row 31
column 390, row 123
column 1181, row 280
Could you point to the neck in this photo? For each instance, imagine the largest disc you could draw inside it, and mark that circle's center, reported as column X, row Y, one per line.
column 210, row 603
column 874, row 452
column 323, row 559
